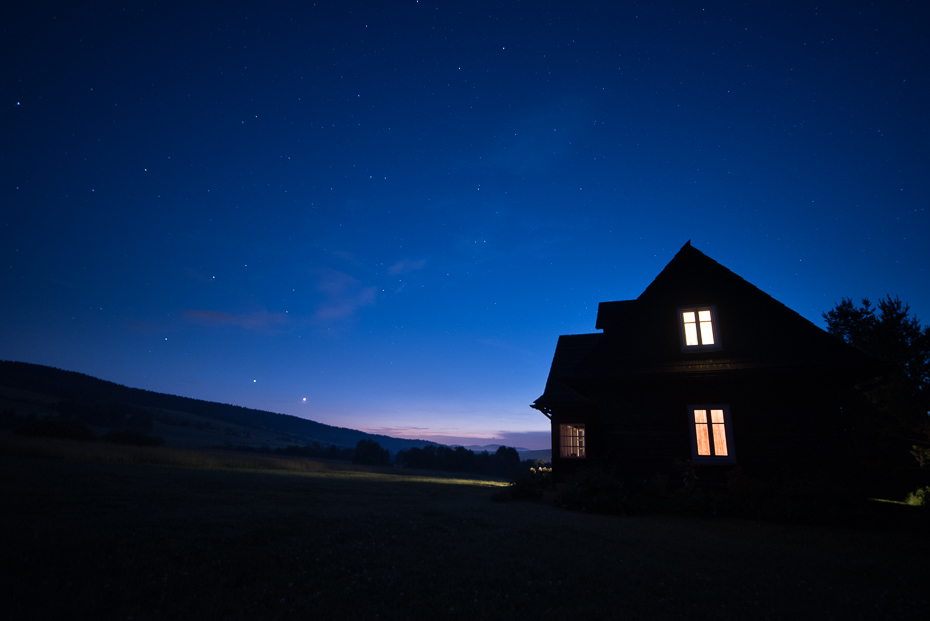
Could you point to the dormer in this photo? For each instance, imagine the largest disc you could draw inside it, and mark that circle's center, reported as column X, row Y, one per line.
column 613, row 314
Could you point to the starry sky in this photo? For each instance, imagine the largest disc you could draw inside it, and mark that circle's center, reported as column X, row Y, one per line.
column 382, row 214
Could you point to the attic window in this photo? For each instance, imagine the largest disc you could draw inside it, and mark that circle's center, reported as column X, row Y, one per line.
column 571, row 441
column 698, row 329
column 711, row 434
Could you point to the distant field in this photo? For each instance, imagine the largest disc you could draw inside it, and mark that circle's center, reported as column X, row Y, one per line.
column 88, row 534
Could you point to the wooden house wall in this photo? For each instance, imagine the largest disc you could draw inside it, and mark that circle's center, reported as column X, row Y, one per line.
column 576, row 414
column 780, row 422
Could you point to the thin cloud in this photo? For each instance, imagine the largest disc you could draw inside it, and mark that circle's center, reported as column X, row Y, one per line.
column 533, row 440
column 343, row 295
column 407, row 432
column 406, row 265
column 345, row 256
column 257, row 321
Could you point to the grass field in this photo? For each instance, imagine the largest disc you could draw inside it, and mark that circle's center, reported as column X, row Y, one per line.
column 97, row 532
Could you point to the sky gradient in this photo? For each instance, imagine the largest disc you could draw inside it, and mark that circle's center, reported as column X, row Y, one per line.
column 381, row 215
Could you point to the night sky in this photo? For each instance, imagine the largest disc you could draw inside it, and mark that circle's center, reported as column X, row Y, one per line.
column 381, row 215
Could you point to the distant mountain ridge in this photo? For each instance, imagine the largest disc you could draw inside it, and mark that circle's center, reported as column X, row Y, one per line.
column 58, row 385
column 490, row 448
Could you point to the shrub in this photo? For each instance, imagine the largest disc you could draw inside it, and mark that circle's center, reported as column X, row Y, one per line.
column 528, row 486
column 594, row 491
column 919, row 498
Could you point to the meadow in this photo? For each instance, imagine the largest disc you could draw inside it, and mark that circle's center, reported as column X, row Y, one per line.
column 95, row 531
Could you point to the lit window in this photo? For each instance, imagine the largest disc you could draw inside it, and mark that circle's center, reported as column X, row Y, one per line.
column 711, row 434
column 571, row 442
column 697, row 329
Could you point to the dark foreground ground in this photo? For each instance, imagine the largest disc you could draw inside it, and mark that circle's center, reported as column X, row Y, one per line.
column 86, row 539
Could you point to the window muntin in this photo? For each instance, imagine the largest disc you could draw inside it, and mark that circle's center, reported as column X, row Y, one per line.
column 711, row 434
column 698, row 331
column 571, row 441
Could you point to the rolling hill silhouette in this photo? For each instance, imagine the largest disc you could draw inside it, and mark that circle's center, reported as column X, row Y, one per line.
column 31, row 389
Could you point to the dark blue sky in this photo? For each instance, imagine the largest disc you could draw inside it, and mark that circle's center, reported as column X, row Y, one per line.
column 393, row 209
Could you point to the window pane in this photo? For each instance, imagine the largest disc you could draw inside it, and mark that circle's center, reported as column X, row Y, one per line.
column 707, row 332
column 703, row 442
column 571, row 441
column 688, row 317
column 691, row 334
column 720, row 439
column 700, row 416
column 716, row 416
column 704, row 315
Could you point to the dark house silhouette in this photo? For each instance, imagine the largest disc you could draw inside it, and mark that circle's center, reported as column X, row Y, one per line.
column 702, row 367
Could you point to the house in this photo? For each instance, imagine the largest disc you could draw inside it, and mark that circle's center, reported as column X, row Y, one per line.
column 701, row 367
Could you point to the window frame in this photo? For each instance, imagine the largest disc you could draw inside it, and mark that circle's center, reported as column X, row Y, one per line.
column 715, row 326
column 730, row 457
column 562, row 446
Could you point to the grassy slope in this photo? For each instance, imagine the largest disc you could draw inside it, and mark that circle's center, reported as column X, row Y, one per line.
column 35, row 388
column 114, row 537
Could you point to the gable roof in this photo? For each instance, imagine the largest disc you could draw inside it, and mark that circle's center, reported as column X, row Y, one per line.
column 642, row 336
column 570, row 351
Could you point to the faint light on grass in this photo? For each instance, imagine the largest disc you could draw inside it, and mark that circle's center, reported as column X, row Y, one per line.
column 207, row 459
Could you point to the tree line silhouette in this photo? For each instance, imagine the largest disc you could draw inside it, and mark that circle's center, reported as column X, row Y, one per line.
column 503, row 462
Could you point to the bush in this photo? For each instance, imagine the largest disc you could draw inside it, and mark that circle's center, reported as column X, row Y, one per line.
column 133, row 437
column 528, row 486
column 808, row 498
column 594, row 491
column 57, row 428
column 369, row 452
column 919, row 498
